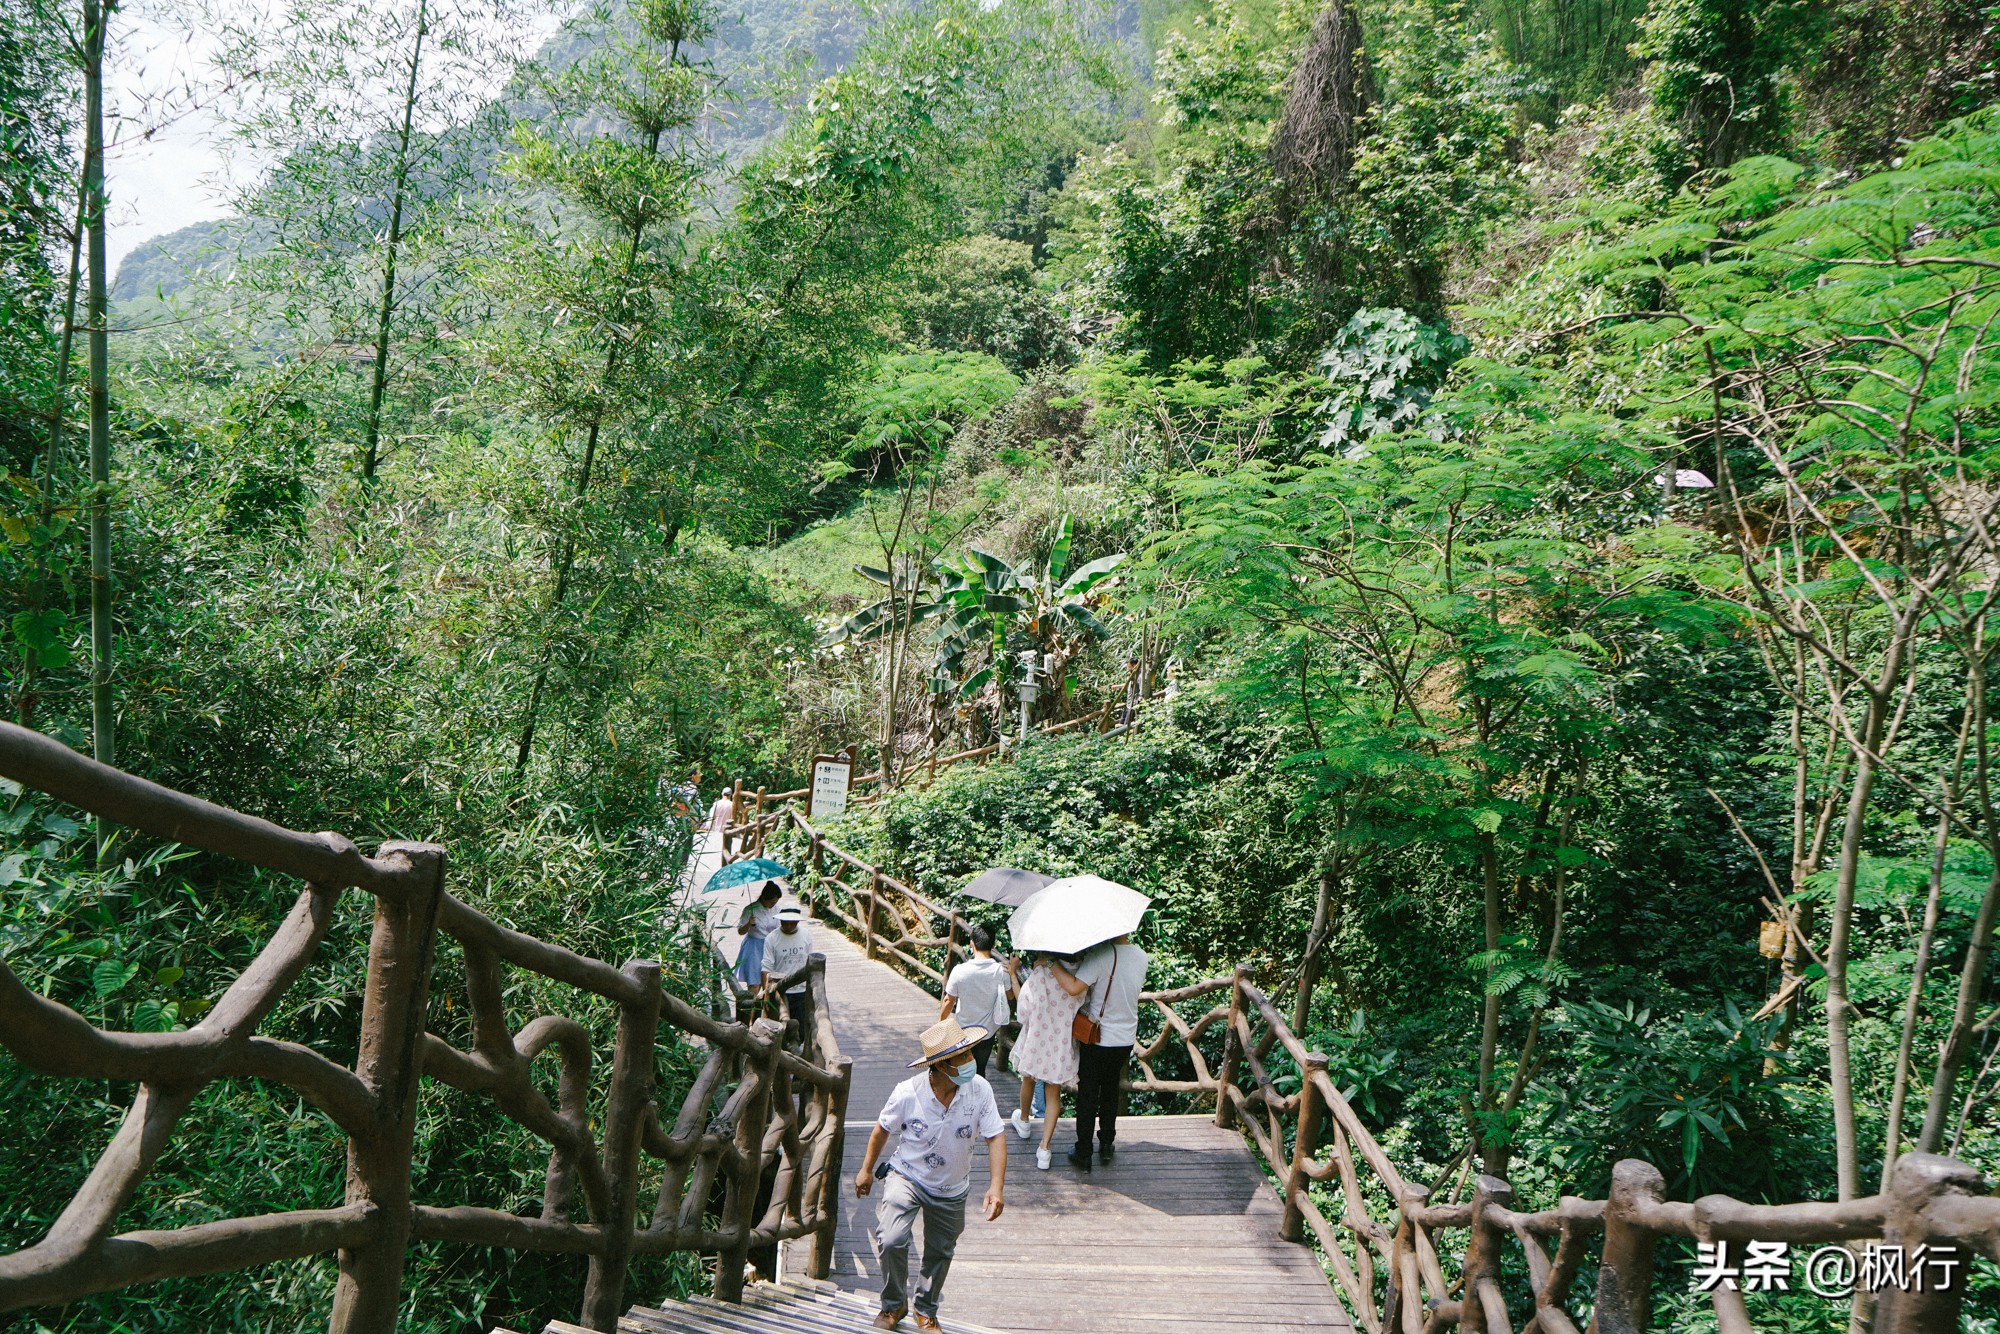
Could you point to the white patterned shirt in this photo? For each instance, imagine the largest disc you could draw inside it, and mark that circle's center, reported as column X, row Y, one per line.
column 935, row 1145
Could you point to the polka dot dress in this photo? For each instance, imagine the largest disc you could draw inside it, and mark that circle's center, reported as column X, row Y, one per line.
column 1046, row 1050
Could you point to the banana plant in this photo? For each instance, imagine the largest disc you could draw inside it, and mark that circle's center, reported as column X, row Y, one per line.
column 986, row 601
column 911, row 597
column 983, row 601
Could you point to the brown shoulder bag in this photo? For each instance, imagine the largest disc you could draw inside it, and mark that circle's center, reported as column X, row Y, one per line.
column 1081, row 1026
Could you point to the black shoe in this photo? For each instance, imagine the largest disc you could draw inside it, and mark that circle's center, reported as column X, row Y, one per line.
column 1079, row 1158
column 1105, row 1152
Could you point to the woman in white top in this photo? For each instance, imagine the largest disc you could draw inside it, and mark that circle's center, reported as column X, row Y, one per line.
column 759, row 920
column 1046, row 1050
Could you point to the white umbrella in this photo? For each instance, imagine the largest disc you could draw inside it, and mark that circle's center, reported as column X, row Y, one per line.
column 1073, row 914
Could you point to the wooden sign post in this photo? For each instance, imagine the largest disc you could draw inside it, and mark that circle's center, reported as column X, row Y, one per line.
column 832, row 776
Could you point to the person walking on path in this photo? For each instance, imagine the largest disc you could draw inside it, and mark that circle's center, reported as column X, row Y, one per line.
column 1116, row 975
column 789, row 950
column 978, row 992
column 720, row 814
column 1045, row 1053
column 759, row 920
column 934, row 1117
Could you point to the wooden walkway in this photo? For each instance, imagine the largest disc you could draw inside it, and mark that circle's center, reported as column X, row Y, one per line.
column 1178, row 1235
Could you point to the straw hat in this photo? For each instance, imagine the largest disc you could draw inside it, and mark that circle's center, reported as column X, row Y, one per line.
column 948, row 1038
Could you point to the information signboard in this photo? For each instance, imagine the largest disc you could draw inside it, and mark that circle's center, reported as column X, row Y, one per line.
column 832, row 776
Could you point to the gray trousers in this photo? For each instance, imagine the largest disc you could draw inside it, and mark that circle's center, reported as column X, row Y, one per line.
column 896, row 1221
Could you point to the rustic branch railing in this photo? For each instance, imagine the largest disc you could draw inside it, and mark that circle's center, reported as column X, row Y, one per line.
column 1382, row 1239
column 767, row 1108
column 1381, row 1236
column 892, row 922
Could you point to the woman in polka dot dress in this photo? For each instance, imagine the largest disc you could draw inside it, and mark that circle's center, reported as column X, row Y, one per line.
column 1046, row 1051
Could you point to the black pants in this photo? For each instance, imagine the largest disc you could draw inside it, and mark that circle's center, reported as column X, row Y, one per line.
column 1097, row 1093
column 982, row 1052
column 799, row 1008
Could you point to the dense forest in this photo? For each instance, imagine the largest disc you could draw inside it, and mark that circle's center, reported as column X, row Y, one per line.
column 1531, row 455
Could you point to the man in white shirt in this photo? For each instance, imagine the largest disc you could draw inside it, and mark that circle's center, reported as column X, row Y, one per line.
column 978, row 992
column 1116, row 974
column 787, row 950
column 934, row 1119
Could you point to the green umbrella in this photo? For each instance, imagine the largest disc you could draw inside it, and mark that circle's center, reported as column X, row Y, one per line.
column 743, row 873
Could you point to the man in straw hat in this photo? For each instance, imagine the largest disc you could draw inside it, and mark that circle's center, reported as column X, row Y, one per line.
column 934, row 1118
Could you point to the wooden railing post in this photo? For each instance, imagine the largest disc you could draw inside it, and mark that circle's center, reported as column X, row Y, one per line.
column 626, row 1105
column 1926, row 1303
column 1232, row 1050
column 369, row 1291
column 746, row 1171
column 1625, row 1274
column 824, row 1238
column 1480, row 1306
column 950, row 941
column 868, row 917
column 1404, row 1308
column 1311, row 1109
column 735, row 815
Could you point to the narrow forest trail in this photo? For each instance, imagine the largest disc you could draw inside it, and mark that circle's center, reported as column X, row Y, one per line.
column 1179, row 1235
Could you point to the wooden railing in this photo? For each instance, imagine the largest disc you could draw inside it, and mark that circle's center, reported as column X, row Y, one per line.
column 888, row 918
column 1403, row 1264
column 1386, row 1245
column 766, row 1111
column 893, row 923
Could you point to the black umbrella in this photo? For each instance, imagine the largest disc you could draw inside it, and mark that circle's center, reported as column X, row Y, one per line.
column 1007, row 886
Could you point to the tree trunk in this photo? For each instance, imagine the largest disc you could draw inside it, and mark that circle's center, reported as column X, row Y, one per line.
column 565, row 563
column 1958, row 1040
column 1492, row 1152
column 387, row 306
column 1790, row 965
column 1892, row 1138
column 566, row 558
column 96, row 15
column 1847, row 1156
column 1309, row 966
column 1313, row 148
column 1972, row 976
column 892, row 673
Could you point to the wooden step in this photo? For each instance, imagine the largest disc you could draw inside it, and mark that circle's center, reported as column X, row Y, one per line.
column 796, row 1306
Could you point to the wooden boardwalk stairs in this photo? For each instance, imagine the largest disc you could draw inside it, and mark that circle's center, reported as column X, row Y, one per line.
column 1183, row 1233
column 1178, row 1235
column 793, row 1307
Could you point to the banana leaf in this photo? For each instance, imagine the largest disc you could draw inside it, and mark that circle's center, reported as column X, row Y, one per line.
column 1059, row 552
column 1089, row 576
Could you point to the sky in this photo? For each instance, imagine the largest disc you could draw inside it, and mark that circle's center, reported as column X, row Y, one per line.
column 163, row 165
column 170, row 152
